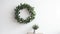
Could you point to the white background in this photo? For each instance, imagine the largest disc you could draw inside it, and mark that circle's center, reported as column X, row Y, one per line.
column 47, row 17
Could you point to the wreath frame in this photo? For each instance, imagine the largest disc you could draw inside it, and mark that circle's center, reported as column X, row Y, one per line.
column 30, row 10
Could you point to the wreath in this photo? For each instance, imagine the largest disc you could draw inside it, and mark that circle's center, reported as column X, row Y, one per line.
column 30, row 10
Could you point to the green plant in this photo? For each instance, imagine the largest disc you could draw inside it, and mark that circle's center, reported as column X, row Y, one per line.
column 30, row 10
column 35, row 27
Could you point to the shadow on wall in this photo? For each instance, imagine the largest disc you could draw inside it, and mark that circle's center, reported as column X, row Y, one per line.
column 58, row 33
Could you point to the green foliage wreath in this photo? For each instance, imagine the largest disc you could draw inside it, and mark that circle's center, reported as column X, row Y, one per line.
column 30, row 10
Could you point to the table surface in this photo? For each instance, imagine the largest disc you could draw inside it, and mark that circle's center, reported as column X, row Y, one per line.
column 32, row 33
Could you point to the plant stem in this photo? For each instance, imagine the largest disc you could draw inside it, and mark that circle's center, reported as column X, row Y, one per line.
column 34, row 32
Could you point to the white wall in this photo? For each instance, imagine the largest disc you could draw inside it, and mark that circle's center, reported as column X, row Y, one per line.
column 47, row 17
